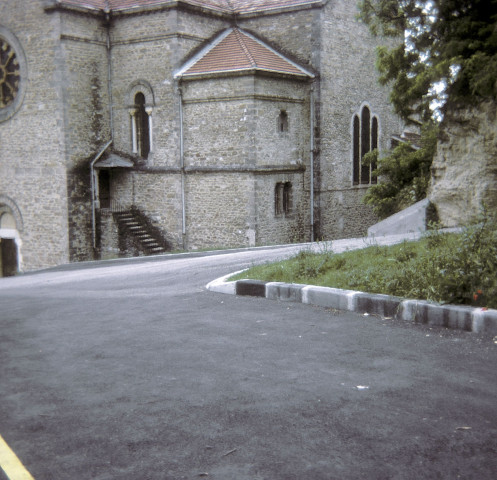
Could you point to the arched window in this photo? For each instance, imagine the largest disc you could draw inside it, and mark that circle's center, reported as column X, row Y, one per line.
column 374, row 146
column 283, row 121
column 142, row 126
column 357, row 148
column 364, row 139
column 283, row 201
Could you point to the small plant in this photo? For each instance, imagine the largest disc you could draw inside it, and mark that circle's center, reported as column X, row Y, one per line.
column 443, row 267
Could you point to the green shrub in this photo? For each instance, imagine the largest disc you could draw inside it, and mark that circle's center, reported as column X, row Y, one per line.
column 444, row 267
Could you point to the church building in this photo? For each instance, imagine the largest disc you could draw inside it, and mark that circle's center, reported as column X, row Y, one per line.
column 134, row 127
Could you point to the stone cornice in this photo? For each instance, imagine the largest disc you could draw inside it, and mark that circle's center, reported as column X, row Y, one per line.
column 238, row 98
column 230, row 169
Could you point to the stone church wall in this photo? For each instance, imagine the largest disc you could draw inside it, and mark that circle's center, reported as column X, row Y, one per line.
column 291, row 227
column 220, row 210
column 239, row 117
column 84, row 84
column 348, row 81
column 234, row 153
column 159, row 197
column 292, row 33
column 32, row 167
column 146, row 49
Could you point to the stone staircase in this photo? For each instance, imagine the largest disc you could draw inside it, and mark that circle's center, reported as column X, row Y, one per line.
column 138, row 236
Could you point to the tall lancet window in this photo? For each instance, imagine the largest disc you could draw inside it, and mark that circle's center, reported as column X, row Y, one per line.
column 365, row 138
column 141, row 132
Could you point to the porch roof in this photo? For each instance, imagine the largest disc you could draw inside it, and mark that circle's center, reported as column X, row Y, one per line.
column 114, row 161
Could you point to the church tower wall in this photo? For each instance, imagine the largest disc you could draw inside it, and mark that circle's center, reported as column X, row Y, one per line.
column 84, row 84
column 33, row 178
column 349, row 81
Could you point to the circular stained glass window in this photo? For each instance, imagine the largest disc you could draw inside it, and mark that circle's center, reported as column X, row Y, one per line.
column 10, row 74
column 13, row 74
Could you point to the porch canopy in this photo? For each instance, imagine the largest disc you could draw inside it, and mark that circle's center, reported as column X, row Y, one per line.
column 114, row 161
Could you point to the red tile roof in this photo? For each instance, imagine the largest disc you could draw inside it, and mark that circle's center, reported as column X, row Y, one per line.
column 226, row 6
column 234, row 51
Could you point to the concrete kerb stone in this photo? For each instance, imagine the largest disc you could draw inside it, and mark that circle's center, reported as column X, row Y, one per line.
column 460, row 317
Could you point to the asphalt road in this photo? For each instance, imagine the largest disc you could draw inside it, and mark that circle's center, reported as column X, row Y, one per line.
column 133, row 370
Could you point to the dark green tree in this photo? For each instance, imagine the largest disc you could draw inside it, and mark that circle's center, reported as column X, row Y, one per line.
column 443, row 54
column 447, row 51
column 405, row 173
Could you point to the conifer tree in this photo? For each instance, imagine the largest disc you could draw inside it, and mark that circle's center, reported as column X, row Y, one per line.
column 446, row 43
column 444, row 54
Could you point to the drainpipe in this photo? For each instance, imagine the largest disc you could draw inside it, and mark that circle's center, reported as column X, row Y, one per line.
column 182, row 165
column 312, row 161
column 92, row 181
column 109, row 69
column 111, row 127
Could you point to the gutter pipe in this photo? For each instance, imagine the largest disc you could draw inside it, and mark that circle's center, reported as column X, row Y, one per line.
column 312, row 161
column 182, row 165
column 109, row 70
column 107, row 14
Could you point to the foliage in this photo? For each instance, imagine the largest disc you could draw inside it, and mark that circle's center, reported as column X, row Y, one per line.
column 404, row 174
column 449, row 43
column 446, row 268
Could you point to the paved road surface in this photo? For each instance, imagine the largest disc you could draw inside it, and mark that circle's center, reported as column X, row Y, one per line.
column 134, row 371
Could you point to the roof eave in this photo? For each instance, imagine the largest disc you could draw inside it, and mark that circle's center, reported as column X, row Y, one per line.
column 280, row 9
column 87, row 9
column 166, row 5
column 244, row 72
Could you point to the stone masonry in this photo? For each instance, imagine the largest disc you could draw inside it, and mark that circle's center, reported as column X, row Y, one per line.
column 107, row 117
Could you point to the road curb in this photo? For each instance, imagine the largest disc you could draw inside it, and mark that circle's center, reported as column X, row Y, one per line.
column 460, row 317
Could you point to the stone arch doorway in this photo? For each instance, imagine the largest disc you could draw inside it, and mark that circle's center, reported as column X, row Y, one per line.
column 9, row 254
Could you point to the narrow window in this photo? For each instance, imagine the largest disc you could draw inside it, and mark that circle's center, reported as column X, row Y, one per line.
column 283, row 121
column 287, row 198
column 278, row 199
column 365, row 138
column 365, row 142
column 142, row 126
column 356, row 148
column 374, row 145
column 283, row 200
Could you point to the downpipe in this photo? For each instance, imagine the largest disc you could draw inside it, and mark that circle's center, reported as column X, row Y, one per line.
column 312, row 161
column 182, row 166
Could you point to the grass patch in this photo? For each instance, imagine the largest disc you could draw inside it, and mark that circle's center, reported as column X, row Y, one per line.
column 446, row 268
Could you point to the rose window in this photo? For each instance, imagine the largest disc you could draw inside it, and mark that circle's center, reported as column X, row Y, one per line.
column 10, row 75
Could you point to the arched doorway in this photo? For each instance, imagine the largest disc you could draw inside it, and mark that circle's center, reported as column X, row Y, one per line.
column 9, row 258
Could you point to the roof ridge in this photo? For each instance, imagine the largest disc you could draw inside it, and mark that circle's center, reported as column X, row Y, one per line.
column 238, row 35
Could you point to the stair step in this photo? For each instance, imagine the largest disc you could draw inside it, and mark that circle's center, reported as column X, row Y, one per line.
column 138, row 230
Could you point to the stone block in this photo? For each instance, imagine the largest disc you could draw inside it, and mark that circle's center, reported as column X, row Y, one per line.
column 449, row 316
column 376, row 304
column 285, row 292
column 329, row 297
column 485, row 321
column 253, row 288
